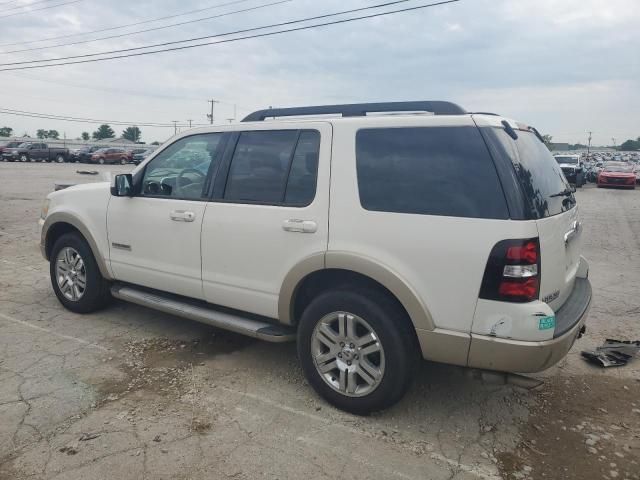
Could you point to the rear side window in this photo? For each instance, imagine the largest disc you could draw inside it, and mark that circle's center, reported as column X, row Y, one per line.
column 428, row 170
column 276, row 167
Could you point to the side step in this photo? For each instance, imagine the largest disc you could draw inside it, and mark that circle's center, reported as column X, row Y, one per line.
column 263, row 330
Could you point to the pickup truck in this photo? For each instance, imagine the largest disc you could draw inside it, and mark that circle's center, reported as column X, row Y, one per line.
column 36, row 152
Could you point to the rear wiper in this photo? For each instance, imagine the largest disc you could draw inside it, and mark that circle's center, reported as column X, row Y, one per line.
column 567, row 192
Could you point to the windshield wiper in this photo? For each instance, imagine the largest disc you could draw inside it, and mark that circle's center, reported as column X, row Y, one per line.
column 567, row 192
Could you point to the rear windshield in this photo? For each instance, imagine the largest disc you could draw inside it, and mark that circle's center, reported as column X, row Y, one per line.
column 538, row 174
column 429, row 171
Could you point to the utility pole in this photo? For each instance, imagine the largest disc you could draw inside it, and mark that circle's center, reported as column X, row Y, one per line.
column 589, row 144
column 210, row 115
column 230, row 120
column 189, row 122
column 175, row 126
column 614, row 142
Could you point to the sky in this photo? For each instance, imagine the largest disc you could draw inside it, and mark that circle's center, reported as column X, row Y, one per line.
column 566, row 67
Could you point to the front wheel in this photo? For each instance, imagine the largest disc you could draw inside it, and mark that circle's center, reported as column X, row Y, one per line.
column 123, row 161
column 24, row 158
column 75, row 275
column 358, row 353
column 60, row 159
column 101, row 161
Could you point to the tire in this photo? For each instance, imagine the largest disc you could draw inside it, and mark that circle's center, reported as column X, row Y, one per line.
column 24, row 158
column 123, row 161
column 394, row 361
column 96, row 293
column 101, row 161
column 60, row 159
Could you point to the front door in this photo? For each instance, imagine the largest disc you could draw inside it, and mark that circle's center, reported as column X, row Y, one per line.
column 154, row 237
column 270, row 214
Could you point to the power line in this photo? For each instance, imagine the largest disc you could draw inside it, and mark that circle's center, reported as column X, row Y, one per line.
column 24, row 5
column 149, row 29
column 336, row 22
column 142, row 22
column 41, row 8
column 66, row 118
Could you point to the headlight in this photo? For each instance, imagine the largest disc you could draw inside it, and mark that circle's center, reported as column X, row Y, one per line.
column 45, row 209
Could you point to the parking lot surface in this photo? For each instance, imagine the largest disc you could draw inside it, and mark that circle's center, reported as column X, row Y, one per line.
column 131, row 393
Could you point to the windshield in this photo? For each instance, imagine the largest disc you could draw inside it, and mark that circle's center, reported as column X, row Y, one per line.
column 24, row 145
column 566, row 159
column 619, row 168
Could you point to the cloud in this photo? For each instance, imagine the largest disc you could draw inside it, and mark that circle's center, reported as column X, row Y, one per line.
column 566, row 67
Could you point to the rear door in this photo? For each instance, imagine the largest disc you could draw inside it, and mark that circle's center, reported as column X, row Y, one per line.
column 269, row 212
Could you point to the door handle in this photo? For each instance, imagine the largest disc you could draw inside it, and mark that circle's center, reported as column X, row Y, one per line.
column 575, row 228
column 300, row 226
column 182, row 216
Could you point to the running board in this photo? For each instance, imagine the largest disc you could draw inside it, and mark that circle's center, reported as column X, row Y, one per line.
column 270, row 332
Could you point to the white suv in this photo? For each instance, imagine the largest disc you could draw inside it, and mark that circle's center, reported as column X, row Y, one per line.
column 374, row 240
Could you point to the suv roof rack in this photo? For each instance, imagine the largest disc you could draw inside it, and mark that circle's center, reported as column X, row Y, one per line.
column 359, row 109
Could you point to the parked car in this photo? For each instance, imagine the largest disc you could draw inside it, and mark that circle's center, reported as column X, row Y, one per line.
column 573, row 168
column 36, row 152
column 5, row 147
column 111, row 155
column 617, row 174
column 83, row 154
column 139, row 154
column 372, row 240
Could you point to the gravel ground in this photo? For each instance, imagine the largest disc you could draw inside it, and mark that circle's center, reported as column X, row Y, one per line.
column 130, row 393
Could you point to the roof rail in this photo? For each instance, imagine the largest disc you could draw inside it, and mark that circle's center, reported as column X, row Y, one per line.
column 359, row 109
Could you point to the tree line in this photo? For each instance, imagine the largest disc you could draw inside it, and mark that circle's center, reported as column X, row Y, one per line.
column 627, row 146
column 132, row 133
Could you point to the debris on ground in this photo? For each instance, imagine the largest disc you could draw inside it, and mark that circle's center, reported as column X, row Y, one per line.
column 88, row 436
column 87, row 172
column 614, row 353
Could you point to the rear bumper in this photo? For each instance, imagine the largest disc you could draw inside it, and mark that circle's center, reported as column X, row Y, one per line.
column 507, row 355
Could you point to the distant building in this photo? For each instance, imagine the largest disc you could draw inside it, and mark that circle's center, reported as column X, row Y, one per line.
column 559, row 147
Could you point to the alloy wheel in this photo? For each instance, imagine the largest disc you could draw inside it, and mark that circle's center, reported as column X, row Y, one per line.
column 71, row 274
column 348, row 354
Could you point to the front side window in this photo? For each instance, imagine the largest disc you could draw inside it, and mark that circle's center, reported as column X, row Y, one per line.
column 277, row 167
column 428, row 170
column 181, row 169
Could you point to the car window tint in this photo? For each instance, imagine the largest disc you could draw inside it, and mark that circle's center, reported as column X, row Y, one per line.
column 428, row 170
column 260, row 166
column 301, row 186
column 181, row 169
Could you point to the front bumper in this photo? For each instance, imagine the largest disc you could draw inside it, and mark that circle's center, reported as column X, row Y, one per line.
column 508, row 355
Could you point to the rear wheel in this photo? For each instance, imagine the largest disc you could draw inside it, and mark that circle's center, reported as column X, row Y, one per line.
column 101, row 161
column 358, row 353
column 123, row 161
column 60, row 159
column 75, row 275
column 24, row 158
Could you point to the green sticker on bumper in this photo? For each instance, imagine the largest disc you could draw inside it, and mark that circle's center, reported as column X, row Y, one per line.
column 546, row 323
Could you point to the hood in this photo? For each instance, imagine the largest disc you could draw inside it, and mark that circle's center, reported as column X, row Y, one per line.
column 70, row 189
column 569, row 165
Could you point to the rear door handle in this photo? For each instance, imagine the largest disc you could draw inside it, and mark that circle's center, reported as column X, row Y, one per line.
column 182, row 216
column 300, row 226
column 575, row 228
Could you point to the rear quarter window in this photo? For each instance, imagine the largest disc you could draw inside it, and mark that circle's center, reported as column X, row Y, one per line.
column 428, row 170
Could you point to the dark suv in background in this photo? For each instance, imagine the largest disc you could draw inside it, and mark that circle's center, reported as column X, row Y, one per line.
column 83, row 154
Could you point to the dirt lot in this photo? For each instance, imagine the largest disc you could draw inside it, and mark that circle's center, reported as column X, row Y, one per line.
column 130, row 393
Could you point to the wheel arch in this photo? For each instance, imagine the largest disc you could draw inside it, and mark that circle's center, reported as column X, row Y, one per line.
column 322, row 271
column 59, row 223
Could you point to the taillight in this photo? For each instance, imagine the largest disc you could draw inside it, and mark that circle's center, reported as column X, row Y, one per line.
column 512, row 273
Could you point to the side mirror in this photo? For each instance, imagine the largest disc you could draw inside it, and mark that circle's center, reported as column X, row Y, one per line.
column 122, row 185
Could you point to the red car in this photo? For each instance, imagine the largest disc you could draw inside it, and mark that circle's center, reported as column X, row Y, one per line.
column 111, row 155
column 617, row 174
